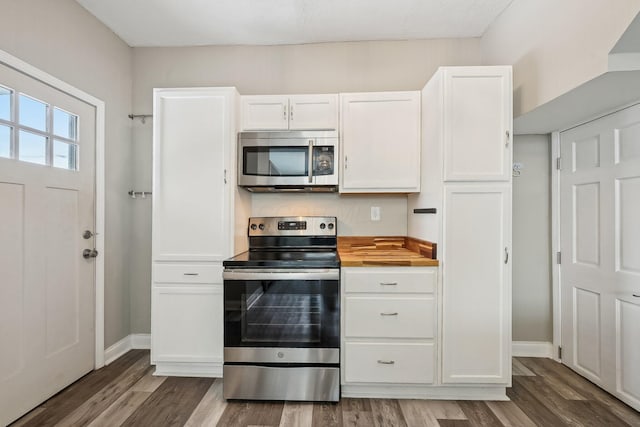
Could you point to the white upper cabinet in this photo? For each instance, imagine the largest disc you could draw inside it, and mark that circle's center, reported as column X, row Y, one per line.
column 308, row 112
column 380, row 142
column 192, row 160
column 477, row 123
column 290, row 112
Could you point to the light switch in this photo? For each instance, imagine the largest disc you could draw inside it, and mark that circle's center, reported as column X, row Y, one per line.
column 375, row 213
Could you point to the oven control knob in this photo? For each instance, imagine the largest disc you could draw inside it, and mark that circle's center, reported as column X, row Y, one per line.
column 323, row 226
column 261, row 226
column 330, row 226
column 253, row 226
column 280, row 355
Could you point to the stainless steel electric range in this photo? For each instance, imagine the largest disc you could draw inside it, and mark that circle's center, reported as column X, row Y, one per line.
column 282, row 312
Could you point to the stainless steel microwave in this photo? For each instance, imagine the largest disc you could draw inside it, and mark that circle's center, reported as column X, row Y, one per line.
column 288, row 161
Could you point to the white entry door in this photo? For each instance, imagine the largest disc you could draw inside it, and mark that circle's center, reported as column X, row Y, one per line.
column 600, row 244
column 47, row 332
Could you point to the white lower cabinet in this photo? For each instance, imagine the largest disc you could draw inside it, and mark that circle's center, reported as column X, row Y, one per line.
column 389, row 329
column 399, row 342
column 187, row 338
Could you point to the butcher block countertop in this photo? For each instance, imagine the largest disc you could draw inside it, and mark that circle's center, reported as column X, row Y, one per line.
column 386, row 251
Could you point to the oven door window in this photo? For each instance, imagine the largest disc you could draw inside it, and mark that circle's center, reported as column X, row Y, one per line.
column 282, row 313
column 276, row 161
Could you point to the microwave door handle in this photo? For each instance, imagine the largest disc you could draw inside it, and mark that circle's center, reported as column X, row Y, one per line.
column 310, row 161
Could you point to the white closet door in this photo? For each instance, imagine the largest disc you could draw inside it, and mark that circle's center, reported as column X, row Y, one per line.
column 600, row 244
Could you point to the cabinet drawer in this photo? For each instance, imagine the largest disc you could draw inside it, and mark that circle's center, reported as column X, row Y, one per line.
column 391, row 280
column 187, row 273
column 385, row 317
column 389, row 363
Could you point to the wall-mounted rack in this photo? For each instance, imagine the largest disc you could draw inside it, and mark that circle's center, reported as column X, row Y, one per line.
column 425, row 211
column 141, row 194
column 143, row 117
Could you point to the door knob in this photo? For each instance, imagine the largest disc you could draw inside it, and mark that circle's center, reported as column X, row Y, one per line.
column 87, row 234
column 89, row 253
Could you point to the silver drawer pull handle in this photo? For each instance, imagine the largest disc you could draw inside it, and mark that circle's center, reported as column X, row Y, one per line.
column 389, row 314
column 191, row 274
column 386, row 362
column 388, row 283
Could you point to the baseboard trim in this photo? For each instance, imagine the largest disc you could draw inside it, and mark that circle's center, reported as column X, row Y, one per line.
column 130, row 342
column 141, row 341
column 188, row 369
column 532, row 349
column 407, row 391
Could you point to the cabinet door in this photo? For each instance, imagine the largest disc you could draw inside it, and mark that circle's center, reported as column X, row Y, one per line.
column 265, row 112
column 477, row 123
column 313, row 112
column 380, row 142
column 191, row 203
column 187, row 324
column 476, row 291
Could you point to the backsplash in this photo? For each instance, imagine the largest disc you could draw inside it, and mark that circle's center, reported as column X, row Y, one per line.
column 353, row 211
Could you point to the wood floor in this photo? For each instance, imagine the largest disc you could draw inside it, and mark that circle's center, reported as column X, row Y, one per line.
column 125, row 393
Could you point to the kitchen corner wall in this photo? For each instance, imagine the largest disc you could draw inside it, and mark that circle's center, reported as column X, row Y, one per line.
column 63, row 39
column 292, row 69
column 532, row 296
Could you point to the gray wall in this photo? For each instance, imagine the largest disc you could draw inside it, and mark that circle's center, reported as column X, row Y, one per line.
column 532, row 297
column 555, row 46
column 63, row 39
column 313, row 68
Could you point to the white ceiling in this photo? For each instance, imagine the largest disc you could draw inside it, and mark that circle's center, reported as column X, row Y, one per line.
column 271, row 22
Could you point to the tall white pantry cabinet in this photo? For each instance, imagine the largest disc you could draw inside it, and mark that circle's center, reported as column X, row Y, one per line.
column 199, row 219
column 466, row 176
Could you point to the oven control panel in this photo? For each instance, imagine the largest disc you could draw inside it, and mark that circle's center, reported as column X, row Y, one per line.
column 293, row 226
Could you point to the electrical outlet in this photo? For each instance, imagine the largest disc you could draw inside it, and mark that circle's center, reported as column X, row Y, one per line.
column 375, row 213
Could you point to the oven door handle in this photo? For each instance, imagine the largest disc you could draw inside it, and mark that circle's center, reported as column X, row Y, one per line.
column 282, row 274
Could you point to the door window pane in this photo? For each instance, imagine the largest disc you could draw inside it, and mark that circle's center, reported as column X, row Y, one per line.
column 65, row 155
column 32, row 148
column 33, row 113
column 5, row 103
column 64, row 124
column 5, row 141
